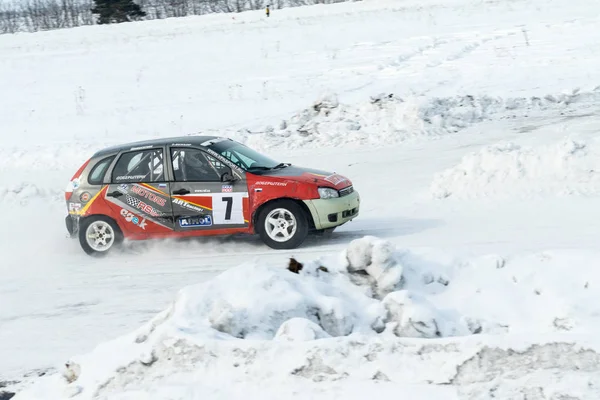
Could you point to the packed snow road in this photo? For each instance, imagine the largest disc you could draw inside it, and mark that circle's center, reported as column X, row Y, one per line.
column 52, row 291
column 465, row 75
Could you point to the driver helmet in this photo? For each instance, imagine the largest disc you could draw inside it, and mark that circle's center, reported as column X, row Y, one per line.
column 195, row 160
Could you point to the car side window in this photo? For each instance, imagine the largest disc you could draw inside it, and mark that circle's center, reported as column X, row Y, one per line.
column 96, row 175
column 218, row 166
column 192, row 165
column 140, row 166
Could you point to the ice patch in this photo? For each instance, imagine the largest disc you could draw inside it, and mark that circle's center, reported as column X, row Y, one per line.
column 569, row 167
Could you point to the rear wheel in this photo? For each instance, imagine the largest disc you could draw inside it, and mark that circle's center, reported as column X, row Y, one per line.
column 282, row 224
column 99, row 234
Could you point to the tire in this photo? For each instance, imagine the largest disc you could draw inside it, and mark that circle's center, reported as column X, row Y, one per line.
column 282, row 212
column 99, row 224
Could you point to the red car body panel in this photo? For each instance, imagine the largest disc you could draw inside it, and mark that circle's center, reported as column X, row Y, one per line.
column 261, row 189
column 155, row 210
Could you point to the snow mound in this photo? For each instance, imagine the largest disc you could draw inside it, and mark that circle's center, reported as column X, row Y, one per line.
column 390, row 119
column 414, row 316
column 569, row 167
column 338, row 300
column 300, row 329
column 370, row 313
column 241, row 303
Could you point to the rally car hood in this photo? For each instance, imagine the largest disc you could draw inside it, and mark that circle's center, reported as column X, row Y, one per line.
column 308, row 175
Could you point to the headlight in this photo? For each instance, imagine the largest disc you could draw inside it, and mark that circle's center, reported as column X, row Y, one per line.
column 328, row 193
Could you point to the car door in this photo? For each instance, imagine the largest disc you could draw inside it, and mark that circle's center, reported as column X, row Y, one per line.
column 139, row 191
column 200, row 199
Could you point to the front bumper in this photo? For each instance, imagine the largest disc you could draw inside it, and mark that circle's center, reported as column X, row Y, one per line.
column 329, row 213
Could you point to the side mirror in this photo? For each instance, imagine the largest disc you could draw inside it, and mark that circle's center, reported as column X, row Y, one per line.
column 227, row 177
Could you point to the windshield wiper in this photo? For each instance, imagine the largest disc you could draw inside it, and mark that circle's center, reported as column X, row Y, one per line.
column 262, row 168
column 281, row 165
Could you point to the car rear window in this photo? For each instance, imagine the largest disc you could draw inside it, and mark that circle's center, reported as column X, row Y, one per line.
column 140, row 166
column 96, row 176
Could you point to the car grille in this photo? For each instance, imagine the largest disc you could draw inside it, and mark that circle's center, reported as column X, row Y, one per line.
column 349, row 213
column 346, row 191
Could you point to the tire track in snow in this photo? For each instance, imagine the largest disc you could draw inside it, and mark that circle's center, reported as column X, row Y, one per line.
column 468, row 48
column 440, row 52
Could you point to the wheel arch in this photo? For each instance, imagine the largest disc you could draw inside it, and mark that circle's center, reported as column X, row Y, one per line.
column 303, row 206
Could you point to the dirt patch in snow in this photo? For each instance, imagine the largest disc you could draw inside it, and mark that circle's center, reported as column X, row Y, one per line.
column 553, row 371
column 541, row 372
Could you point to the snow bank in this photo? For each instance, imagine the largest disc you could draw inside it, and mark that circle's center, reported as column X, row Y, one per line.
column 49, row 157
column 391, row 119
column 355, row 296
column 40, row 172
column 373, row 313
column 569, row 167
column 23, row 193
column 383, row 120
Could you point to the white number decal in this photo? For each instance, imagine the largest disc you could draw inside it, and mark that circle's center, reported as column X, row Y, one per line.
column 228, row 208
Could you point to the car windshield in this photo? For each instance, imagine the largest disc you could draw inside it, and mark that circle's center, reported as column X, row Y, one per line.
column 244, row 157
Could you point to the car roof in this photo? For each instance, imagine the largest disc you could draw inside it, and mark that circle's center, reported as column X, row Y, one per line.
column 194, row 140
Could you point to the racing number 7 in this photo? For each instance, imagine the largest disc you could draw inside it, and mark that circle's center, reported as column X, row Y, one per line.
column 229, row 201
column 228, row 208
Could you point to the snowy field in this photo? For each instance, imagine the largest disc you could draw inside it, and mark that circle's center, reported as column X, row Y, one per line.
column 468, row 127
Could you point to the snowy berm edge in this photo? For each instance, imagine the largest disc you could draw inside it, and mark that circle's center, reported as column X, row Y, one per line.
column 372, row 313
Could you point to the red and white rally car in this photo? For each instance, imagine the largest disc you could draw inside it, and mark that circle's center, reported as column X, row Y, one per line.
column 201, row 185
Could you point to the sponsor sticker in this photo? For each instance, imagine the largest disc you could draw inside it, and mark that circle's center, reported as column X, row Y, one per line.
column 140, row 205
column 73, row 184
column 147, row 194
column 200, row 220
column 335, row 179
column 130, row 177
column 134, row 219
column 162, row 185
column 74, row 206
column 85, row 197
column 148, row 209
column 226, row 188
column 202, row 191
column 123, row 188
column 142, row 147
column 187, row 205
column 223, row 160
column 270, row 183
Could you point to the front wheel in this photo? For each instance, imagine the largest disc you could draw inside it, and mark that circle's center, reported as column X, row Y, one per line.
column 99, row 234
column 282, row 225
